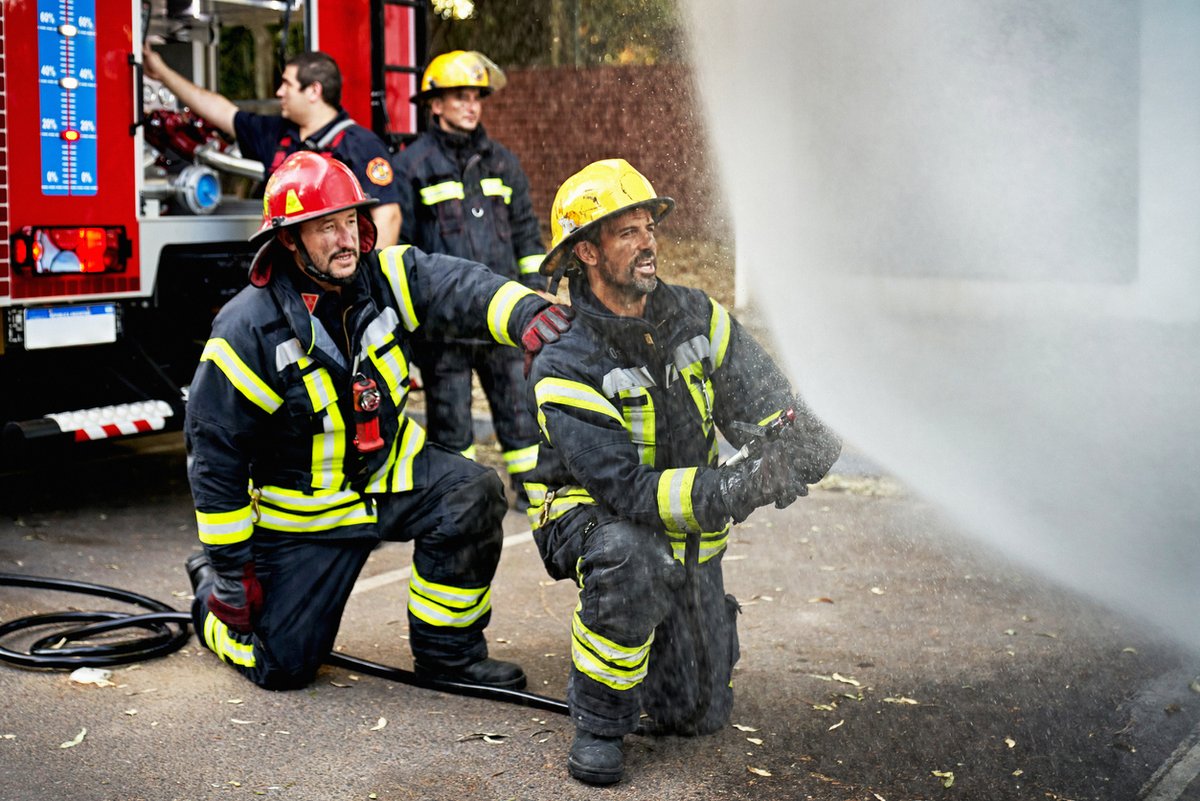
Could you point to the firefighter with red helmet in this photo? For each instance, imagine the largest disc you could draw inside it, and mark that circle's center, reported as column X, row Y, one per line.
column 465, row 194
column 628, row 499
column 311, row 118
column 302, row 458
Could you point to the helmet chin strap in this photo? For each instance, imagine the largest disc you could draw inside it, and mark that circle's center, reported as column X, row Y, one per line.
column 306, row 264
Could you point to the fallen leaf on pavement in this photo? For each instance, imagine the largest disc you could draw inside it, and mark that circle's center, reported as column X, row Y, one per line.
column 740, row 727
column 846, row 680
column 78, row 739
column 901, row 699
column 836, row 725
column 486, row 736
column 947, row 777
column 1010, row 742
column 758, row 771
column 382, row 722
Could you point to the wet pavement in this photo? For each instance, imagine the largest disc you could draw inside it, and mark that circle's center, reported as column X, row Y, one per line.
column 886, row 656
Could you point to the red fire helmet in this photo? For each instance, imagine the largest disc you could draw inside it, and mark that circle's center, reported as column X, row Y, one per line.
column 306, row 186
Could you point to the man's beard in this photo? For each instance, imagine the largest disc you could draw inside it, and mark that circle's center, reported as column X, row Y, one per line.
column 328, row 277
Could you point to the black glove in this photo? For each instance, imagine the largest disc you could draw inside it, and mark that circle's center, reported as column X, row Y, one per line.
column 237, row 600
column 811, row 447
column 545, row 327
column 760, row 480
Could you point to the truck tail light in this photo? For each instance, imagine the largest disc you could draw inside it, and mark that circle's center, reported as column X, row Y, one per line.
column 56, row 250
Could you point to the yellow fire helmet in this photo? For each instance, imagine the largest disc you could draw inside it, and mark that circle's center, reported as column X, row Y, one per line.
column 598, row 191
column 459, row 69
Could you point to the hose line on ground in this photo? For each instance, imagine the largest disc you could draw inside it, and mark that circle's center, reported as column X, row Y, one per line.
column 167, row 631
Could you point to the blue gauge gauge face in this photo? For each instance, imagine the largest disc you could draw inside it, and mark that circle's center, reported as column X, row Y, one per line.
column 67, row 96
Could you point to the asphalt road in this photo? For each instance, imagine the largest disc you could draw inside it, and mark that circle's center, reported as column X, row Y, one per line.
column 885, row 657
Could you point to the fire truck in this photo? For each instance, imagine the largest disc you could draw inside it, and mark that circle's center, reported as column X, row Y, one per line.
column 123, row 217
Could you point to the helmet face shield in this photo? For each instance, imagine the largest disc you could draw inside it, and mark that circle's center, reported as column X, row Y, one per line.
column 599, row 191
column 460, row 69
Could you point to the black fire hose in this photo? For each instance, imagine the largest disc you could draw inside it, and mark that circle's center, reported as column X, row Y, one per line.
column 168, row 631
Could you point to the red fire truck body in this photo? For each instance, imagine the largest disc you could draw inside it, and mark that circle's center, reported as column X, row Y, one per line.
column 119, row 235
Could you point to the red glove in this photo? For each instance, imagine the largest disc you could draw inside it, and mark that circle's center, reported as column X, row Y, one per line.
column 545, row 327
column 237, row 602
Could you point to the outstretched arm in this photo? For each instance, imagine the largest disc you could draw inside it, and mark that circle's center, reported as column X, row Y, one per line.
column 217, row 110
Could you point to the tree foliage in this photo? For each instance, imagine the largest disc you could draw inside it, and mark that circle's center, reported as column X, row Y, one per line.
column 554, row 32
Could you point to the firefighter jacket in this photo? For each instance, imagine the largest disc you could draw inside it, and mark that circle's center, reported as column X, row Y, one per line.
column 467, row 195
column 629, row 410
column 270, row 415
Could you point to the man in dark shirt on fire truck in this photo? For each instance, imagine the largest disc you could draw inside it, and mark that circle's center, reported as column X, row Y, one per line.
column 311, row 118
column 465, row 194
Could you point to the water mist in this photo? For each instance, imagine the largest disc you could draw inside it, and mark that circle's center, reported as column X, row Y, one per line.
column 973, row 229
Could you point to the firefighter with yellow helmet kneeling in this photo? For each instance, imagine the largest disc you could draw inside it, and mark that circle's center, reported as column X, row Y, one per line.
column 302, row 458
column 628, row 498
column 463, row 193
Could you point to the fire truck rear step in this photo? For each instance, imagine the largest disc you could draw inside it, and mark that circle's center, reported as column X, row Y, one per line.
column 101, row 422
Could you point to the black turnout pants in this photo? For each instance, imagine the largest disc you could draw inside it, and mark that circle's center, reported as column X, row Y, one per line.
column 631, row 588
column 453, row 518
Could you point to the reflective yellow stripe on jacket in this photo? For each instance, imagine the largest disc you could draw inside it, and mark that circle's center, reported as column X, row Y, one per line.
column 530, row 264
column 391, row 261
column 495, row 187
column 328, row 444
column 571, row 393
column 545, row 506
column 225, row 528
column 501, row 307
column 291, row 510
column 443, row 605
column 246, row 381
column 678, row 515
column 440, row 193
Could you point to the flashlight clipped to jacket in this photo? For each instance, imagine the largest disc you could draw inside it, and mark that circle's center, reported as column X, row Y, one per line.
column 366, row 414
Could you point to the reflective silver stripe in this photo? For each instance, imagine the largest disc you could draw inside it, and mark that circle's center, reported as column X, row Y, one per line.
column 694, row 350
column 495, row 187
column 530, row 264
column 288, row 353
column 501, row 307
column 391, row 261
column 625, row 378
column 719, row 328
column 246, row 381
column 440, row 193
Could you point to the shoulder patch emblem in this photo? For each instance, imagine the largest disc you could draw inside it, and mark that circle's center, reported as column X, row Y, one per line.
column 379, row 170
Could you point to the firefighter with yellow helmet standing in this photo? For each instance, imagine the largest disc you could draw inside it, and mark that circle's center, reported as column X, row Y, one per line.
column 302, row 458
column 628, row 498
column 465, row 194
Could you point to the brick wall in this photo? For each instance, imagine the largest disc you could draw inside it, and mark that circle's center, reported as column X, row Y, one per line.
column 557, row 120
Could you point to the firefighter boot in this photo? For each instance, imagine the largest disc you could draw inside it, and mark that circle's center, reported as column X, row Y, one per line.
column 596, row 759
column 199, row 571
column 487, row 672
